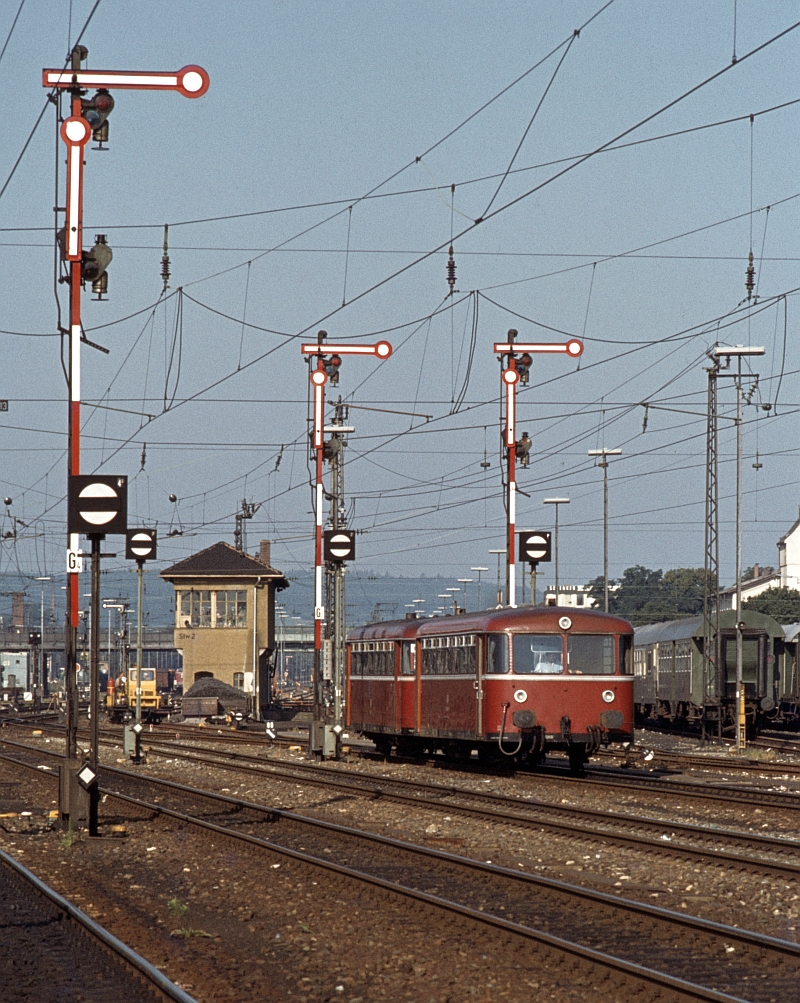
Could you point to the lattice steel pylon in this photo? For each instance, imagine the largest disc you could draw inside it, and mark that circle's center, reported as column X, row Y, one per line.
column 713, row 678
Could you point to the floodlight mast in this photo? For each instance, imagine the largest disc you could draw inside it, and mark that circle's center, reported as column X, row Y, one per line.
column 76, row 131
column 516, row 371
column 603, row 463
column 328, row 360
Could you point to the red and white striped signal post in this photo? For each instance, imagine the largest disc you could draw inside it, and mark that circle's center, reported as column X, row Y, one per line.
column 88, row 117
column 328, row 360
column 516, row 371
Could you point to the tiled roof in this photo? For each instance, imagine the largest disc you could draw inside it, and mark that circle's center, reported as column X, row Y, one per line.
column 221, row 560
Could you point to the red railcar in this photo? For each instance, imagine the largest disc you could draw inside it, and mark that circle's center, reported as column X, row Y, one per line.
column 517, row 682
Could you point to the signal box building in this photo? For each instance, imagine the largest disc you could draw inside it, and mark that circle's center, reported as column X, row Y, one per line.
column 225, row 617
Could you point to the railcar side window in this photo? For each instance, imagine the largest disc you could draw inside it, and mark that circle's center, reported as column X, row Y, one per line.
column 539, row 653
column 448, row 656
column 496, row 654
column 372, row 658
column 405, row 659
column 626, row 656
column 590, row 655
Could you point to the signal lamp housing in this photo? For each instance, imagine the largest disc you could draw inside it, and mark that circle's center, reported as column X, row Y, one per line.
column 523, row 447
column 331, row 367
column 94, row 265
column 96, row 112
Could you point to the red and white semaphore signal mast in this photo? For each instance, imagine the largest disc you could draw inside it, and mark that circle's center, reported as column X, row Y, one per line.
column 328, row 360
column 88, row 118
column 516, row 371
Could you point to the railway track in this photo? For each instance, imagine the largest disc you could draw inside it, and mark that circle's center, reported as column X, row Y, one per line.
column 726, row 763
column 595, row 777
column 749, row 851
column 638, row 945
column 52, row 950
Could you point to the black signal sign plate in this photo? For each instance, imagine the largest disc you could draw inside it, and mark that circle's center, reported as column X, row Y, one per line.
column 534, row 547
column 339, row 545
column 97, row 505
column 141, row 545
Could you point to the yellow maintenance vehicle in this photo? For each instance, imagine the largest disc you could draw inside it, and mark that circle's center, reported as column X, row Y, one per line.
column 121, row 695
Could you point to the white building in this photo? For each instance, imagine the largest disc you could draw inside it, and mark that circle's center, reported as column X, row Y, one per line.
column 787, row 575
column 763, row 579
column 569, row 595
column 789, row 557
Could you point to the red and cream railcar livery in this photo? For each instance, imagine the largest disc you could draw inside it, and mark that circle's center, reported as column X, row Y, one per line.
column 517, row 682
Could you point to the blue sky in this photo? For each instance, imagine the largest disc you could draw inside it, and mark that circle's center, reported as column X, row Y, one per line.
column 320, row 103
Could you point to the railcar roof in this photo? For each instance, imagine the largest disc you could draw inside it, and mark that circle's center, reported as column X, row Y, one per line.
column 791, row 630
column 692, row 626
column 523, row 618
column 670, row 630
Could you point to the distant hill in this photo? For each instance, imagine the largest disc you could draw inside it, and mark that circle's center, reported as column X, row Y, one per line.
column 370, row 595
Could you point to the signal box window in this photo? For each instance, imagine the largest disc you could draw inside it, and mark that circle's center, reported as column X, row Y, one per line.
column 238, row 680
column 538, row 653
column 195, row 609
column 203, row 608
column 496, row 654
column 231, row 608
column 590, row 655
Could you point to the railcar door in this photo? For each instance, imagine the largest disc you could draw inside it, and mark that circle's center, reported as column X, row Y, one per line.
column 407, row 683
column 754, row 656
column 479, row 650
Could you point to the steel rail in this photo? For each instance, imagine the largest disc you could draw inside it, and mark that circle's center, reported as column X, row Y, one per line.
column 724, row 763
column 782, row 949
column 730, row 793
column 662, row 832
column 779, row 951
column 98, row 933
column 603, row 823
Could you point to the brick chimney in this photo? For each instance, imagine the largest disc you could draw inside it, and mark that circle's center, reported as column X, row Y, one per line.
column 756, row 572
column 17, row 609
column 264, row 552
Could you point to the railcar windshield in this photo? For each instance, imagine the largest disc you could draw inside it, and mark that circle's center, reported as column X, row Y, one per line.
column 538, row 653
column 496, row 654
column 590, row 655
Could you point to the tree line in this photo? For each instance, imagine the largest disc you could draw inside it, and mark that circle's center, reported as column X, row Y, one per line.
column 643, row 595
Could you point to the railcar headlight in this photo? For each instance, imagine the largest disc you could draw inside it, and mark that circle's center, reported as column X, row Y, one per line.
column 608, row 696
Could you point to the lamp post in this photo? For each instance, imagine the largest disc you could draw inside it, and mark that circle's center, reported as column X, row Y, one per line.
column 479, row 570
column 42, row 674
column 603, row 462
column 556, row 502
column 453, row 589
column 499, row 587
column 465, row 582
